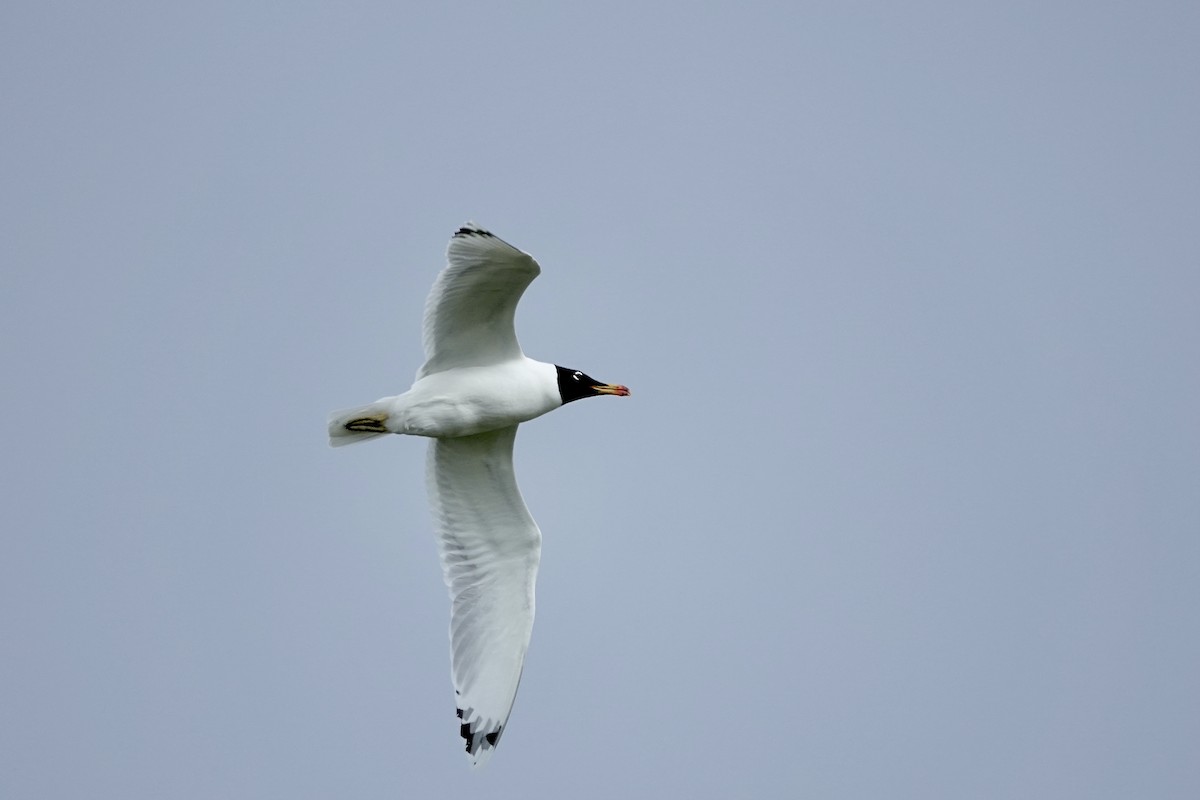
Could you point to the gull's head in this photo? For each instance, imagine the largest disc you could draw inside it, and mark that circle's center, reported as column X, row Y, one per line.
column 576, row 385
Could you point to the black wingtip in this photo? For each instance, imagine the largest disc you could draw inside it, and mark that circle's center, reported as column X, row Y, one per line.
column 471, row 230
column 477, row 740
column 464, row 731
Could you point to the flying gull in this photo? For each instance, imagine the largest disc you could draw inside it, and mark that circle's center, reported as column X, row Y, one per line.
column 475, row 388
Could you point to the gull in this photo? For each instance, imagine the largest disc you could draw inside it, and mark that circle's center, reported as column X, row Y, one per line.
column 475, row 388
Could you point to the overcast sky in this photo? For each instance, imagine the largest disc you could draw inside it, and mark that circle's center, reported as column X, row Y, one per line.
column 905, row 504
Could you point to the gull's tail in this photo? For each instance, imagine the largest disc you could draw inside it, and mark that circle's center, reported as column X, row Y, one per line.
column 352, row 425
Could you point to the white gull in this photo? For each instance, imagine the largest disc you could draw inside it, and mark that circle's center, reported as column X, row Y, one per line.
column 475, row 388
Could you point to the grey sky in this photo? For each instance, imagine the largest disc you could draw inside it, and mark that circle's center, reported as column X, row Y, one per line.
column 906, row 502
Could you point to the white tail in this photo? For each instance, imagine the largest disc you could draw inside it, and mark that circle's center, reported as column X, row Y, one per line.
column 353, row 425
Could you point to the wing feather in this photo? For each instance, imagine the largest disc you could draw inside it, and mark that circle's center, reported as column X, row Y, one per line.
column 490, row 548
column 469, row 313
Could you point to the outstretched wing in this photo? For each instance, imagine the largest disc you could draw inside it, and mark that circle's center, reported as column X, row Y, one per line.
column 469, row 313
column 490, row 547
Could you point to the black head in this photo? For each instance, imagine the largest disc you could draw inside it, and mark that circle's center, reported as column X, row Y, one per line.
column 575, row 385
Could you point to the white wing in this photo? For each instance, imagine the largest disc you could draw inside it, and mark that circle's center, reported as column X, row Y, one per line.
column 469, row 313
column 490, row 548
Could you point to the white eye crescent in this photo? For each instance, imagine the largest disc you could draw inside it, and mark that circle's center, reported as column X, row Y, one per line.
column 577, row 375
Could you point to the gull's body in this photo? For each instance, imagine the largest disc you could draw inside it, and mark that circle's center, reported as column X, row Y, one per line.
column 470, row 400
column 475, row 388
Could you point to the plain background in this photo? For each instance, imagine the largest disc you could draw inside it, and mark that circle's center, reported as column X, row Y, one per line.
column 905, row 503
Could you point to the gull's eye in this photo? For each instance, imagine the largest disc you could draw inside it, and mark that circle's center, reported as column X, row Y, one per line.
column 577, row 375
